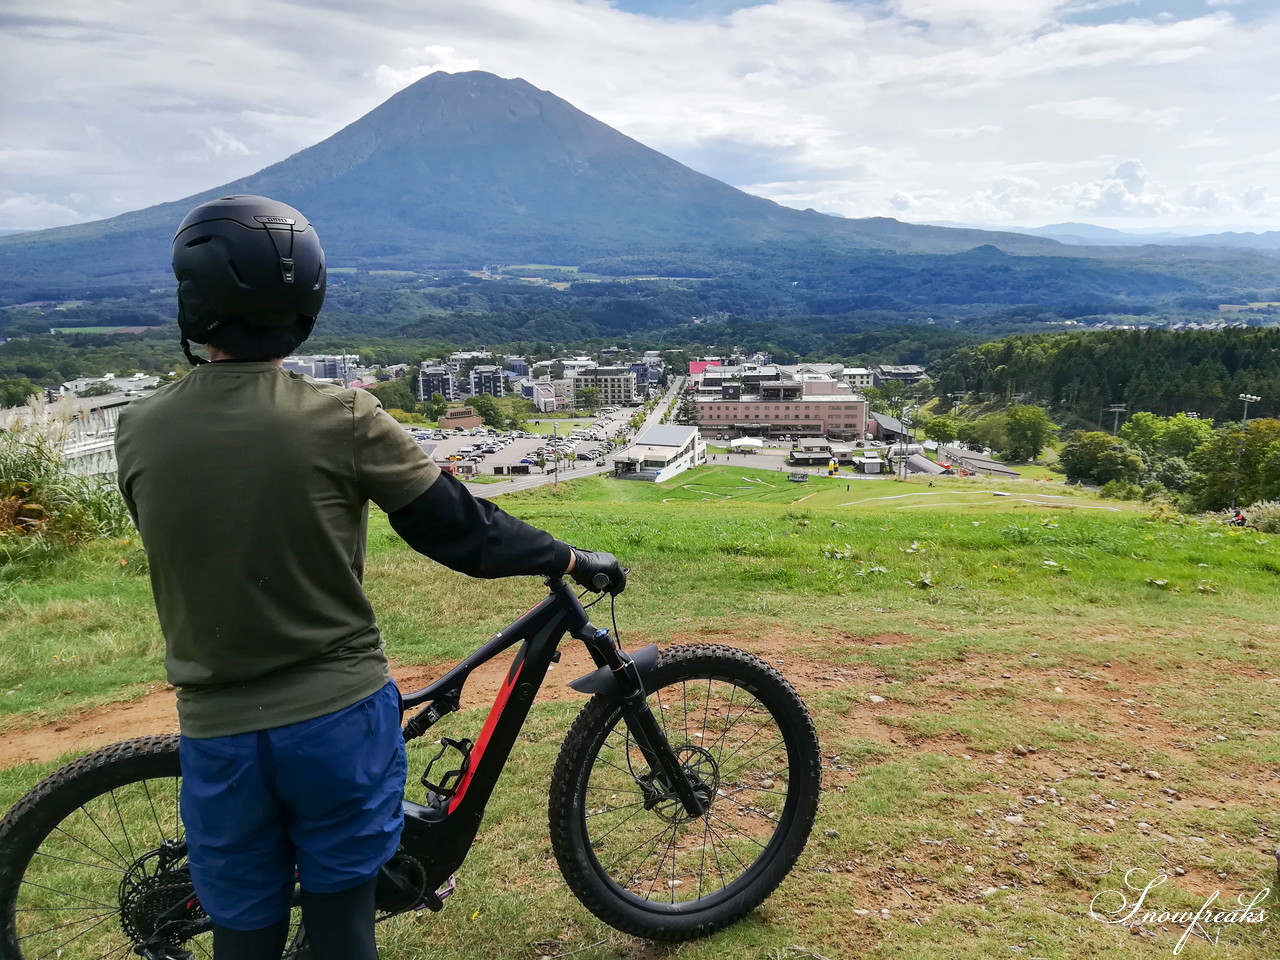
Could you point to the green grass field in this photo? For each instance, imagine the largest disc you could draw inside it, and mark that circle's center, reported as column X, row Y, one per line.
column 991, row 677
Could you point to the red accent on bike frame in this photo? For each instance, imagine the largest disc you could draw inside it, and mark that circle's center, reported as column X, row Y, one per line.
column 482, row 741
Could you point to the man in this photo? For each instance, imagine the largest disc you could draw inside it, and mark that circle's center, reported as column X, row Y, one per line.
column 250, row 487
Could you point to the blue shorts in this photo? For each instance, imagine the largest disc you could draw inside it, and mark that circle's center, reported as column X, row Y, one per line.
column 320, row 801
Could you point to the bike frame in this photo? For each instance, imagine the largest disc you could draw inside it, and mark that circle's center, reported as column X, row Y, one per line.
column 440, row 835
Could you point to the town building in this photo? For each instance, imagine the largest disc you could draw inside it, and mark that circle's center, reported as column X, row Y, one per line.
column 108, row 384
column 860, row 378
column 661, row 452
column 324, row 366
column 438, row 379
column 617, row 385
column 467, row 356
column 906, row 373
column 464, row 418
column 786, row 408
column 488, row 379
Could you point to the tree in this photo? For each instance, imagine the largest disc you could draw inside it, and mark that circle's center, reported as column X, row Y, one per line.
column 1097, row 457
column 944, row 429
column 395, row 394
column 1181, row 435
column 588, row 398
column 488, row 409
column 1142, row 430
column 1237, row 466
column 686, row 410
column 988, row 431
column 1029, row 429
column 14, row 392
column 891, row 397
column 434, row 408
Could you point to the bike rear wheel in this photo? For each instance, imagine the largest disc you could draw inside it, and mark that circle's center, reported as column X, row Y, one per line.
column 93, row 863
column 632, row 854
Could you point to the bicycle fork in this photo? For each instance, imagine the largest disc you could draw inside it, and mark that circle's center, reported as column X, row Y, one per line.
column 621, row 676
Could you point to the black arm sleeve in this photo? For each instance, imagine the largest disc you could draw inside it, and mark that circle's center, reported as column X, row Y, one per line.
column 475, row 537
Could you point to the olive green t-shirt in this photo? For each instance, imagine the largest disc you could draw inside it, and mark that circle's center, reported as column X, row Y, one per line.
column 250, row 486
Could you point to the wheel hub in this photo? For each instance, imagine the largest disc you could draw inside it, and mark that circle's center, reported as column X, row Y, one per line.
column 704, row 776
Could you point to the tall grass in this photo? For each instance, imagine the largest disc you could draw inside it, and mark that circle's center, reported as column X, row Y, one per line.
column 44, row 506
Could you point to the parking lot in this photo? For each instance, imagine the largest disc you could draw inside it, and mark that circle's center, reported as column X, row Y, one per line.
column 481, row 450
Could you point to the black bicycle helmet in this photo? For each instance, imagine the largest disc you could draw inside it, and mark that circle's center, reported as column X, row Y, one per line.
column 246, row 259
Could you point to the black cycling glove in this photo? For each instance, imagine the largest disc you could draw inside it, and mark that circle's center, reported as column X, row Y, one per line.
column 599, row 571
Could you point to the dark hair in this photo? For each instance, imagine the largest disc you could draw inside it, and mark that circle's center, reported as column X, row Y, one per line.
column 244, row 341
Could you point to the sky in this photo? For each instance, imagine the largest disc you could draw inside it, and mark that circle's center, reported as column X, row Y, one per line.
column 1138, row 114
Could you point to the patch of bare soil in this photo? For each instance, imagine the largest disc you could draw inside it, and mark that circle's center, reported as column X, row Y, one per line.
column 156, row 712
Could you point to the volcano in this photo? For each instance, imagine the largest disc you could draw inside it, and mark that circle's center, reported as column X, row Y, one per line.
column 464, row 169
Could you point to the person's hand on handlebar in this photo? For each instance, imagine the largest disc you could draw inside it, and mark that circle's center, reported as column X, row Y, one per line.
column 597, row 571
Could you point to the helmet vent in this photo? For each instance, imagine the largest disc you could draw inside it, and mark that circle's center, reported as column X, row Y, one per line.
column 235, row 270
column 198, row 240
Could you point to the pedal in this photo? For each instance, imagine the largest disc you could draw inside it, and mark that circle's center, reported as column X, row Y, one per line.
column 440, row 793
column 435, row 901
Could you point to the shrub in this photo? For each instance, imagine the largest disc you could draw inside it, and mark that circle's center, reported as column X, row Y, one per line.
column 43, row 505
column 1154, row 490
column 1265, row 515
column 1121, row 490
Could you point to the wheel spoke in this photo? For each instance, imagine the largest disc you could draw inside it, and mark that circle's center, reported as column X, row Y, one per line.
column 57, row 951
column 740, row 747
column 64, row 893
column 736, row 830
column 78, row 863
column 98, row 853
column 123, row 829
column 123, row 860
column 155, row 816
column 637, row 847
column 745, row 763
column 601, row 813
column 63, row 926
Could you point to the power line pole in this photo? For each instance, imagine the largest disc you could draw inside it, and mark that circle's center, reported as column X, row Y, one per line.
column 1117, row 409
column 1248, row 398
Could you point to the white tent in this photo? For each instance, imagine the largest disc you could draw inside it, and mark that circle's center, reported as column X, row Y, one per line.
column 741, row 442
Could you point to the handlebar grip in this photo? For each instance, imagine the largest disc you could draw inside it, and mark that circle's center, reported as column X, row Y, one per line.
column 600, row 582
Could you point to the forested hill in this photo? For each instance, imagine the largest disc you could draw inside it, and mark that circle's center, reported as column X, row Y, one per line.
column 1164, row 372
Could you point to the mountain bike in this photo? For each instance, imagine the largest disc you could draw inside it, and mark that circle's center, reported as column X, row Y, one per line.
column 682, row 796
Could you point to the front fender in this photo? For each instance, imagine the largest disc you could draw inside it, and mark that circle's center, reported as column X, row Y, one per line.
column 603, row 680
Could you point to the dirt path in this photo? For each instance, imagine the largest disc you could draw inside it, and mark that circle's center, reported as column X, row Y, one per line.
column 157, row 712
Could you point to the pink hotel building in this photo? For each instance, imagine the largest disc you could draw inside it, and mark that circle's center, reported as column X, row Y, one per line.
column 799, row 409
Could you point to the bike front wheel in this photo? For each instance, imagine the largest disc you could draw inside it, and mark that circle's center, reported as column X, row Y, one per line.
column 632, row 853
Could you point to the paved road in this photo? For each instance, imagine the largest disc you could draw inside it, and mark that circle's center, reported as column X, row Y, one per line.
column 586, row 468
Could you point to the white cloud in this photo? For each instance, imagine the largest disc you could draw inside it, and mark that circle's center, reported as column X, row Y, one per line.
column 941, row 109
column 1111, row 110
column 425, row 61
column 952, row 132
column 27, row 212
column 223, row 144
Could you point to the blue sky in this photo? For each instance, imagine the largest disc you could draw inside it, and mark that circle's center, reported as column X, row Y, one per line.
column 1128, row 113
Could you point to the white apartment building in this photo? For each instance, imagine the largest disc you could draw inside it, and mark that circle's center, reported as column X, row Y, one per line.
column 617, row 385
column 860, row 378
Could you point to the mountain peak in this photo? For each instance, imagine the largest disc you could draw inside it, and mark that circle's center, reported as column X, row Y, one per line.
column 462, row 169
